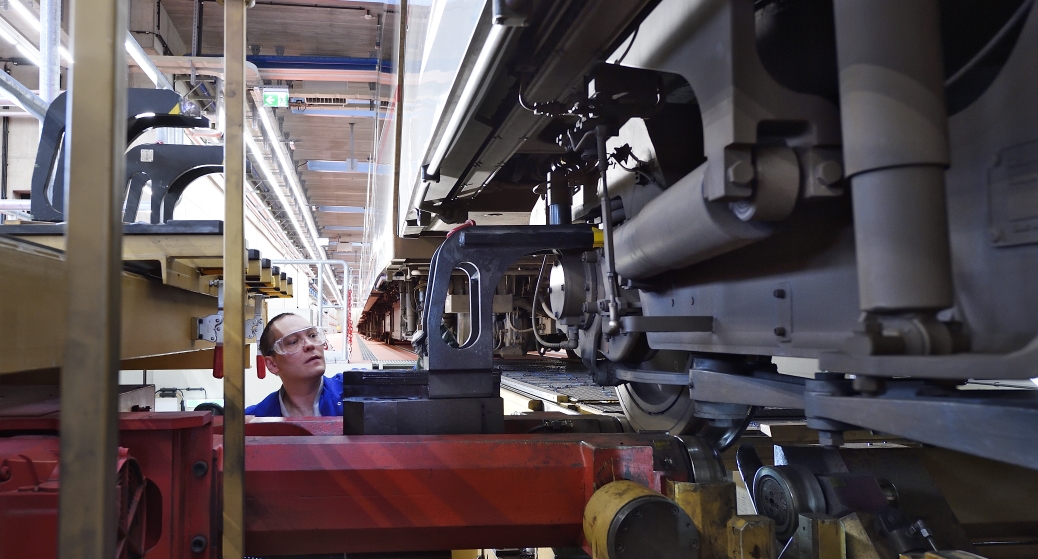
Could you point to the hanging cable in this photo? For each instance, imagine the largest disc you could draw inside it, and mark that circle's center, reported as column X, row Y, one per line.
column 533, row 310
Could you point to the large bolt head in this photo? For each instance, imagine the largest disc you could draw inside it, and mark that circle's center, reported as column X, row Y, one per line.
column 740, row 173
column 828, row 173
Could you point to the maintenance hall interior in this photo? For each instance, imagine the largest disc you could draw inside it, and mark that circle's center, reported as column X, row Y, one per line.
column 518, row 279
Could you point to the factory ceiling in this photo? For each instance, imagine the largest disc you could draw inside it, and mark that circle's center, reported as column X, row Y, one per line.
column 326, row 52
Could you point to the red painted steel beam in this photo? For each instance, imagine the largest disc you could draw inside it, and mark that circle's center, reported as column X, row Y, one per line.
column 308, row 492
column 334, row 494
column 174, row 451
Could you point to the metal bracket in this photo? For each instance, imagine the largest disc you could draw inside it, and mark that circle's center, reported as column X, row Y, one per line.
column 170, row 168
column 145, row 108
column 210, row 328
column 484, row 254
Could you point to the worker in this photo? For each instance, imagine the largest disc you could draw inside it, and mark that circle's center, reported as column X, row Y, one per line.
column 293, row 349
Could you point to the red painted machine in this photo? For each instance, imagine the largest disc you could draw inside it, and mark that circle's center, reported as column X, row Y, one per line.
column 309, row 489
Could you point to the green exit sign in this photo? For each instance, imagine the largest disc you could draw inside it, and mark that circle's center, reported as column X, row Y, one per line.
column 275, row 97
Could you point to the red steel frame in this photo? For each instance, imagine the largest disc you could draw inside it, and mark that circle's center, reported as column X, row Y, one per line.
column 310, row 490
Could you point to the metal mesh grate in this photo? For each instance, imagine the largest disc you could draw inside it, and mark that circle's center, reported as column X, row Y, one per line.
column 561, row 377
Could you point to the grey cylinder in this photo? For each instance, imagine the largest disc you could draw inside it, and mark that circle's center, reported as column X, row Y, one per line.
column 680, row 228
column 895, row 146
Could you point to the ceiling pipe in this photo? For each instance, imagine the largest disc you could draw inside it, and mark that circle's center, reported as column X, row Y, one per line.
column 133, row 48
column 23, row 97
column 50, row 49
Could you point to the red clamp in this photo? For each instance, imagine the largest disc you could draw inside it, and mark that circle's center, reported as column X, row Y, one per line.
column 218, row 361
column 261, row 366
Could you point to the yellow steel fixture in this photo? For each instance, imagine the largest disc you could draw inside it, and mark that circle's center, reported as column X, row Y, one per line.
column 234, row 281
column 751, row 537
column 96, row 141
column 626, row 520
column 710, row 506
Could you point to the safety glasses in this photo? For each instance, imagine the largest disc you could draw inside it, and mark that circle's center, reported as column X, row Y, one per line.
column 294, row 342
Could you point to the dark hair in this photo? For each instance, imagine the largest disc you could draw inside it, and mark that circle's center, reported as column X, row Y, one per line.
column 266, row 345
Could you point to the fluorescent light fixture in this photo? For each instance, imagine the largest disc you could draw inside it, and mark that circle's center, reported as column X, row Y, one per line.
column 323, row 241
column 291, row 179
column 26, row 14
column 33, row 57
column 286, row 163
column 1035, row 381
column 341, row 209
column 15, row 37
column 261, row 162
column 343, row 228
column 347, row 166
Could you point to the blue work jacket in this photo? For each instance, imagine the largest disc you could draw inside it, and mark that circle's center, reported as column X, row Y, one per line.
column 330, row 403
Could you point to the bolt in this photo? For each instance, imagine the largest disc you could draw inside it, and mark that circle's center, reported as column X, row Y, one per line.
column 638, row 513
column 740, row 173
column 200, row 468
column 620, row 547
column 693, row 544
column 830, row 439
column 673, row 511
column 779, row 293
column 780, row 331
column 829, row 172
column 198, row 544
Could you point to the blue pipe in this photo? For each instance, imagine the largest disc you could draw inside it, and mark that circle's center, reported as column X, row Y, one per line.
column 319, row 63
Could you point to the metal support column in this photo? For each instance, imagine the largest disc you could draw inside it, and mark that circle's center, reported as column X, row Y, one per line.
column 320, row 297
column 50, row 43
column 234, row 281
column 89, row 375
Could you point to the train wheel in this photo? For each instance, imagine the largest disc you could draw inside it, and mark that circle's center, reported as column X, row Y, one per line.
column 659, row 407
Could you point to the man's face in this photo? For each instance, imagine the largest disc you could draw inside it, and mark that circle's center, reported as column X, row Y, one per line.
column 307, row 363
